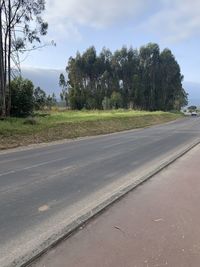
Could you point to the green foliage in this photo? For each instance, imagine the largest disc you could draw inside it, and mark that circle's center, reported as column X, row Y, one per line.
column 90, row 103
column 40, row 99
column 21, row 97
column 144, row 79
column 51, row 101
column 25, row 98
column 106, row 103
column 116, row 100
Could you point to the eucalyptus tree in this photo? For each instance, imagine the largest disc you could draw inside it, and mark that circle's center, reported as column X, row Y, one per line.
column 2, row 67
column 77, row 81
column 64, row 89
column 129, row 66
column 21, row 27
column 106, row 74
column 145, row 79
column 149, row 63
column 172, row 94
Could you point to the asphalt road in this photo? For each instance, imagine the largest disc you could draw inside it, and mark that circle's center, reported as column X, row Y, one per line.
column 38, row 184
column 155, row 225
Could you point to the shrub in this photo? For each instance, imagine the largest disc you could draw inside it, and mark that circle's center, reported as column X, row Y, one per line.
column 21, row 97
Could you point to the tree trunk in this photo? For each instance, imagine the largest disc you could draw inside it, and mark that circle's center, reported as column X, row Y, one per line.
column 2, row 70
column 9, row 58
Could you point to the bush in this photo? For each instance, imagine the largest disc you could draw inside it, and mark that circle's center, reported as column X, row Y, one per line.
column 22, row 101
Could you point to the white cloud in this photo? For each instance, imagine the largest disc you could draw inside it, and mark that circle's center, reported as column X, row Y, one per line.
column 64, row 30
column 65, row 16
column 170, row 20
column 177, row 20
column 93, row 13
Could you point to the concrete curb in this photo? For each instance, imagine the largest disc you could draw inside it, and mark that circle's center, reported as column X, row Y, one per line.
column 76, row 224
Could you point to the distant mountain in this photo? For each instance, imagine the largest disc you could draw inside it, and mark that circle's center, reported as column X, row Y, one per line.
column 48, row 80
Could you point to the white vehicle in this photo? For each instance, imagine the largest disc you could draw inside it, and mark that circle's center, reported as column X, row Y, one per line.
column 194, row 114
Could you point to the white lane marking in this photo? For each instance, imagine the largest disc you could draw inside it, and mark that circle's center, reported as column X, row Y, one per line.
column 158, row 220
column 6, row 173
column 31, row 167
column 43, row 208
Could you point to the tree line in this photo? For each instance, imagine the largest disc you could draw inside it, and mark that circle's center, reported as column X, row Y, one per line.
column 144, row 78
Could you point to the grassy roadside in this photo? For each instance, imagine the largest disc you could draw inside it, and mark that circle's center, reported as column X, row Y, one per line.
column 71, row 124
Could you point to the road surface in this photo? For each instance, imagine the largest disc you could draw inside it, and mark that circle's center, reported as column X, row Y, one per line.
column 40, row 187
column 155, row 225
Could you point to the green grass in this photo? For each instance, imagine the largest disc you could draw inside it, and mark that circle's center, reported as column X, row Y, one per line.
column 72, row 124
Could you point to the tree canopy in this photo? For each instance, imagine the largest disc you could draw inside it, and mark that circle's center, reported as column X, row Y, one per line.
column 147, row 79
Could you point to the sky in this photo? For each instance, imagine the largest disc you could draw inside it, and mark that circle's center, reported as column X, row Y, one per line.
column 75, row 25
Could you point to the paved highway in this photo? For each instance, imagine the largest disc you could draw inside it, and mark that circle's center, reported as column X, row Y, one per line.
column 144, row 229
column 38, row 185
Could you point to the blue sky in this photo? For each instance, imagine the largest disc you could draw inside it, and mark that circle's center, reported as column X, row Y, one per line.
column 77, row 24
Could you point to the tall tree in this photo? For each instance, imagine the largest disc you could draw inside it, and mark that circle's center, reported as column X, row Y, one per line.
column 21, row 24
column 145, row 79
column 149, row 63
column 2, row 68
column 64, row 92
column 171, row 95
